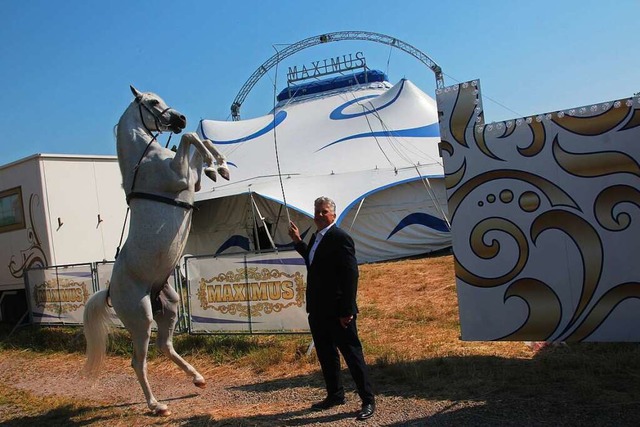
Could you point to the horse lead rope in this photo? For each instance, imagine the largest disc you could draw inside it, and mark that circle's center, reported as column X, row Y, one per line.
column 275, row 142
column 144, row 153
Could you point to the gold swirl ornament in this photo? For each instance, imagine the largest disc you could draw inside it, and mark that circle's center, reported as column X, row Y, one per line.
column 593, row 125
column 545, row 310
column 590, row 165
column 603, row 308
column 608, row 199
column 539, row 136
column 491, row 250
column 588, row 244
column 556, row 195
column 463, row 114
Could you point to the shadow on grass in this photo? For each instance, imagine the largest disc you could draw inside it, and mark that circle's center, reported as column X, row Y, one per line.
column 67, row 415
column 292, row 418
column 70, row 339
column 582, row 384
column 74, row 415
column 47, row 339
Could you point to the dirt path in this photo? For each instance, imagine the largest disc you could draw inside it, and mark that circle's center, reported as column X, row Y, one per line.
column 238, row 398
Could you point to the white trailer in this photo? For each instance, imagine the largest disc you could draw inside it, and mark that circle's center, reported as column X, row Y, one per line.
column 56, row 210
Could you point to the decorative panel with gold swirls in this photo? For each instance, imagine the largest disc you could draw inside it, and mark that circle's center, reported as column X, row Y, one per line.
column 545, row 216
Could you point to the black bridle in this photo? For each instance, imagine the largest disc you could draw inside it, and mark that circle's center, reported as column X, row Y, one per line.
column 156, row 117
column 158, row 123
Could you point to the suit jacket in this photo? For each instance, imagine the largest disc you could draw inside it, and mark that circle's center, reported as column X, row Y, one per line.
column 332, row 278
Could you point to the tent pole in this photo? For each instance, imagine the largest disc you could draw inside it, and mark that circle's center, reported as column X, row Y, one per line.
column 432, row 193
column 356, row 215
column 256, row 240
column 255, row 206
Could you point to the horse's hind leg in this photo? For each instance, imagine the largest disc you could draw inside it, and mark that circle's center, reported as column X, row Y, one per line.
column 166, row 320
column 135, row 314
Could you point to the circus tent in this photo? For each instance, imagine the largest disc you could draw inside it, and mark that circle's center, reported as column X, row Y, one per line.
column 372, row 147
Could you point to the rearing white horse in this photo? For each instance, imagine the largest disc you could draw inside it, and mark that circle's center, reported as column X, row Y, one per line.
column 159, row 185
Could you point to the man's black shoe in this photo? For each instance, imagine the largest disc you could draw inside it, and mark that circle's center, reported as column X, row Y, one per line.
column 327, row 403
column 366, row 412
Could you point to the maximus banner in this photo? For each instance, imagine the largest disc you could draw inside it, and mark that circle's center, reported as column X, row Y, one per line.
column 247, row 293
column 58, row 295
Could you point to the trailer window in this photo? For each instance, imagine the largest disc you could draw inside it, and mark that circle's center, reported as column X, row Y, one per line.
column 11, row 212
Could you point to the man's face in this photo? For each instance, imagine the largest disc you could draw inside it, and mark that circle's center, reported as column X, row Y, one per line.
column 323, row 215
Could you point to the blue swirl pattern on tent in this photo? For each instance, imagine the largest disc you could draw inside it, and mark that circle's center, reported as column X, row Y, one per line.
column 420, row 218
column 279, row 118
column 237, row 241
column 337, row 113
column 419, row 132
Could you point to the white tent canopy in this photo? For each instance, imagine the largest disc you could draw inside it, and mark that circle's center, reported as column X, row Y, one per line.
column 348, row 144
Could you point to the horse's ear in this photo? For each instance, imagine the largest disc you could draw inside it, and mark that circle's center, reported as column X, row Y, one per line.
column 135, row 92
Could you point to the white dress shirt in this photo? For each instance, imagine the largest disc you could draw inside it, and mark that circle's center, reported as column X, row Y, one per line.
column 319, row 235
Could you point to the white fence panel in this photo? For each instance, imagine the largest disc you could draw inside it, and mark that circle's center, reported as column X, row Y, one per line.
column 58, row 295
column 247, row 293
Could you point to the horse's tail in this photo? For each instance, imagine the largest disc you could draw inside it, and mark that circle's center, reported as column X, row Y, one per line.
column 97, row 322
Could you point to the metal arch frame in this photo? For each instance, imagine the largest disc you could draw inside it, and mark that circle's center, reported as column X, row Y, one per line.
column 327, row 38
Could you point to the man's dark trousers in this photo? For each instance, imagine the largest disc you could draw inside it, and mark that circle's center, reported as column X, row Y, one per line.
column 325, row 332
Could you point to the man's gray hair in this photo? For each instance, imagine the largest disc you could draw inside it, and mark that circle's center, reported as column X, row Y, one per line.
column 325, row 200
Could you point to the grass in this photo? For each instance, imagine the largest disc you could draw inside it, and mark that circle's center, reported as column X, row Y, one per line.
column 25, row 409
column 409, row 328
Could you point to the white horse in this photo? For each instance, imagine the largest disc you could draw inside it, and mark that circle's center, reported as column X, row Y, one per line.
column 159, row 185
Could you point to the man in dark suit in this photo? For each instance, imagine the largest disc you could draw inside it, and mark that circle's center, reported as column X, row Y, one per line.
column 332, row 284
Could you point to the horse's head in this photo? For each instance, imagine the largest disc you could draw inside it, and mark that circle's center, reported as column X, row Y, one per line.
column 156, row 115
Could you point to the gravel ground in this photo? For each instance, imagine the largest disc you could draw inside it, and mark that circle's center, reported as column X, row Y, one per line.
column 241, row 398
column 236, row 396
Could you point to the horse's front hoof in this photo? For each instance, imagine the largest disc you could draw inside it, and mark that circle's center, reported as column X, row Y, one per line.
column 162, row 412
column 211, row 173
column 224, row 172
column 200, row 383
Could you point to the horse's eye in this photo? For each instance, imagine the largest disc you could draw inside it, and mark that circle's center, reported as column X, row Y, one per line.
column 154, row 102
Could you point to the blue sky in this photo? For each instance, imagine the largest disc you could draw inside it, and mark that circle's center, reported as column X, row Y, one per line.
column 66, row 66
